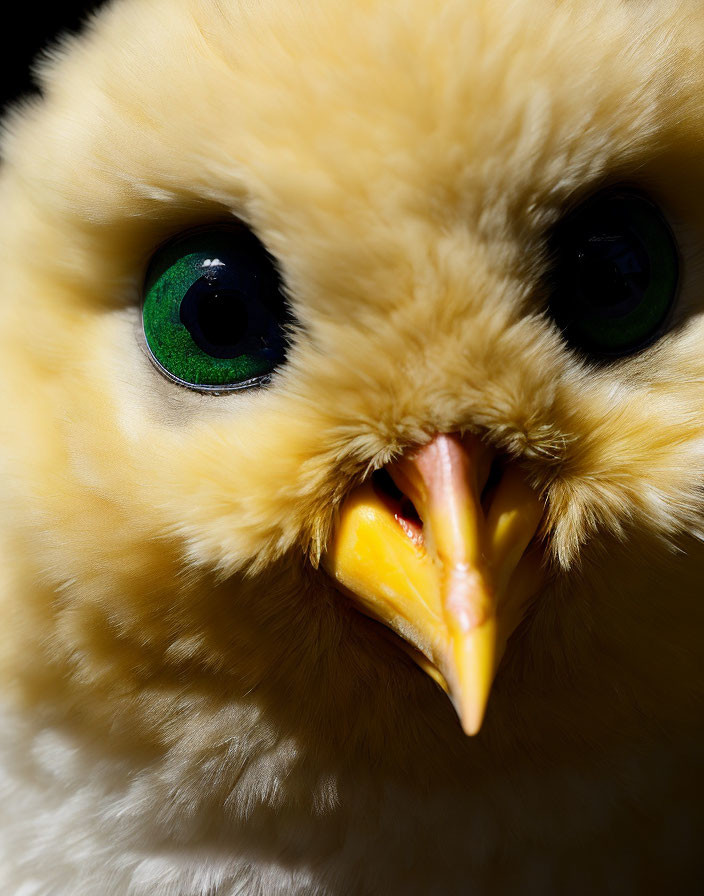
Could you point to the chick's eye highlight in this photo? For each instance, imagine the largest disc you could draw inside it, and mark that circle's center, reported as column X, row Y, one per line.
column 214, row 314
column 615, row 274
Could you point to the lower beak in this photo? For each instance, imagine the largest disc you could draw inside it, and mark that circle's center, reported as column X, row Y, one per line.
column 445, row 567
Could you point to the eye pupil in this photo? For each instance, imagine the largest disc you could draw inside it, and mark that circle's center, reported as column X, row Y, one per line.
column 613, row 270
column 215, row 317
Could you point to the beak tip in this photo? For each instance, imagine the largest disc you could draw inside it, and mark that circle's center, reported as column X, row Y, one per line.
column 475, row 662
column 473, row 729
column 471, row 715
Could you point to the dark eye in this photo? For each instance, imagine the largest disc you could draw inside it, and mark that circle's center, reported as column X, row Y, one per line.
column 214, row 314
column 615, row 274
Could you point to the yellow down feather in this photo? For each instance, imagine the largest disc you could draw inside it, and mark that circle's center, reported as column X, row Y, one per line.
column 160, row 611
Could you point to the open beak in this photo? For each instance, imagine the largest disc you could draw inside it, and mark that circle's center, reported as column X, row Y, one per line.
column 445, row 561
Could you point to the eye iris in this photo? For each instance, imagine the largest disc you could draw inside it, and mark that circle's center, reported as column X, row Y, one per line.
column 616, row 274
column 214, row 314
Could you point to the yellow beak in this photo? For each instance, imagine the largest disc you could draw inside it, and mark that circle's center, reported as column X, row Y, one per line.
column 450, row 576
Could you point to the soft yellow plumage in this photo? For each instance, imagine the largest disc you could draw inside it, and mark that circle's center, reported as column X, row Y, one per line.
column 188, row 705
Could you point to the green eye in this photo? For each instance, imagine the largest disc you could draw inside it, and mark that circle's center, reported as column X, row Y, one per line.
column 214, row 315
column 615, row 276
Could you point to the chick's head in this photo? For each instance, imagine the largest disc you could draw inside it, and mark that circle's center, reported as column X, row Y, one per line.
column 407, row 168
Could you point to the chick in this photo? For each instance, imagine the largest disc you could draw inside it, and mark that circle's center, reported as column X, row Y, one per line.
column 319, row 312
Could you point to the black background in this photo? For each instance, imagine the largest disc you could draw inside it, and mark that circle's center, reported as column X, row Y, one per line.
column 26, row 31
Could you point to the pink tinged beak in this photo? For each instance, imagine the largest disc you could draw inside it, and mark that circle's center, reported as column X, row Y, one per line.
column 448, row 569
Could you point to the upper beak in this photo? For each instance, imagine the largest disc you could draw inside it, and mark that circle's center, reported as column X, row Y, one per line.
column 445, row 567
